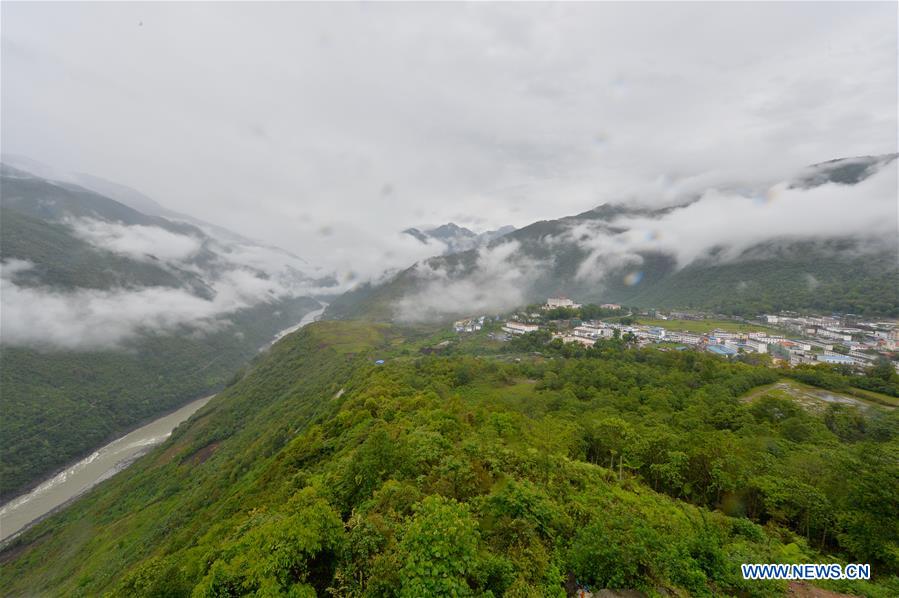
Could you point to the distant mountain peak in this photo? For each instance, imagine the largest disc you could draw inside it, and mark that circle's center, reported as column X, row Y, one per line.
column 842, row 171
column 457, row 238
column 634, row 254
column 450, row 229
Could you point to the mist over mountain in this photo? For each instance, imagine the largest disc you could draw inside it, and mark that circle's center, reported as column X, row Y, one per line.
column 824, row 239
column 68, row 249
column 280, row 313
column 111, row 315
column 457, row 238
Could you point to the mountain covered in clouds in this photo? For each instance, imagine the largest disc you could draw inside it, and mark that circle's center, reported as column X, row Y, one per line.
column 121, row 246
column 457, row 238
column 111, row 315
column 824, row 240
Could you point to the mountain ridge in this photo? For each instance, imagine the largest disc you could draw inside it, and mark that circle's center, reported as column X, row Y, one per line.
column 457, row 238
column 551, row 257
column 165, row 313
column 347, row 462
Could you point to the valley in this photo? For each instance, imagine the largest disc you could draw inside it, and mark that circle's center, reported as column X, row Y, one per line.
column 365, row 446
column 54, row 493
column 526, row 462
column 184, row 322
column 449, row 299
column 80, row 477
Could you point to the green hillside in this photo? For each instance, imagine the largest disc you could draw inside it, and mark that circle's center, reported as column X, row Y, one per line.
column 824, row 276
column 839, row 273
column 480, row 473
column 51, row 200
column 63, row 261
column 59, row 405
column 821, row 277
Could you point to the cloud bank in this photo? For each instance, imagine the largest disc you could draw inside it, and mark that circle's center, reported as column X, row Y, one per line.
column 730, row 223
column 499, row 281
column 719, row 224
column 144, row 243
column 89, row 319
column 233, row 276
column 331, row 126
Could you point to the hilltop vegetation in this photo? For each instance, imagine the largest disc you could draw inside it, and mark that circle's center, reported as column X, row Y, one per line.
column 480, row 472
column 63, row 261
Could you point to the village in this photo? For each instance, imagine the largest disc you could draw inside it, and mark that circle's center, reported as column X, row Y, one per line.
column 788, row 338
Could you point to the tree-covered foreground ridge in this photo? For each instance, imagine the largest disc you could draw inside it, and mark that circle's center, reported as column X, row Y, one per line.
column 484, row 470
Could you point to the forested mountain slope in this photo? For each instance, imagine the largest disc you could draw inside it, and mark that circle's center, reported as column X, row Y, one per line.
column 485, row 471
column 112, row 316
column 728, row 251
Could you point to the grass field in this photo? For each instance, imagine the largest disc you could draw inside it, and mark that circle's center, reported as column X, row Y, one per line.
column 817, row 399
column 875, row 397
column 703, row 326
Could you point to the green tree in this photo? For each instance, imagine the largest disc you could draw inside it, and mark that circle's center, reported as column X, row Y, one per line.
column 439, row 550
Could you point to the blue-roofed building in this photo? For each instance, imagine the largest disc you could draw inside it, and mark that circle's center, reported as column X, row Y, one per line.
column 721, row 350
column 836, row 359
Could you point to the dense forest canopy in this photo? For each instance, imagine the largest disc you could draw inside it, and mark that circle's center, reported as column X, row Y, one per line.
column 487, row 470
column 61, row 405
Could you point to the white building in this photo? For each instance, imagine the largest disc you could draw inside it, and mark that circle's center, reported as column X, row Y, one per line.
column 553, row 302
column 653, row 334
column 569, row 338
column 519, row 328
column 863, row 357
column 834, row 334
column 472, row 325
column 824, row 346
column 592, row 332
column 722, row 335
column 683, row 337
column 757, row 345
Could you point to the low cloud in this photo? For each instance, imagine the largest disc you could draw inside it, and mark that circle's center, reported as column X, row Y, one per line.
column 338, row 123
column 208, row 254
column 500, row 280
column 728, row 223
column 145, row 243
column 236, row 275
column 87, row 319
column 718, row 224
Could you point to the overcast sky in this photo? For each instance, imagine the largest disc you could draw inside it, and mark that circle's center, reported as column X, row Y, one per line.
column 327, row 128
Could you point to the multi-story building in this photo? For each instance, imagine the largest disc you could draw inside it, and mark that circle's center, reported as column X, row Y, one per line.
column 592, row 332
column 554, row 302
column 519, row 328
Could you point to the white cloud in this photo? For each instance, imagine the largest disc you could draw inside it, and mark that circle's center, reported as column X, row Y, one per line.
column 94, row 319
column 499, row 281
column 732, row 223
column 726, row 222
column 331, row 126
column 238, row 275
column 145, row 243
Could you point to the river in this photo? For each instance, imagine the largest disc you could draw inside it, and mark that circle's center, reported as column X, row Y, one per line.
column 312, row 316
column 105, row 462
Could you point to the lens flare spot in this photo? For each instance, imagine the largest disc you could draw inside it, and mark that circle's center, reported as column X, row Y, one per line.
column 633, row 278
